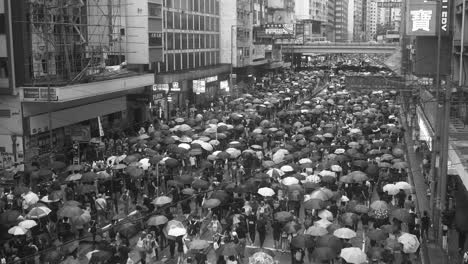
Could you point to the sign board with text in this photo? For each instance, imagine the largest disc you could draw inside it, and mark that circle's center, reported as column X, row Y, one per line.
column 39, row 94
column 422, row 19
column 199, row 86
column 389, row 4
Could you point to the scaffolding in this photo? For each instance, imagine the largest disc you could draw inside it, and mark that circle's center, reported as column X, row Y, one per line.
column 74, row 41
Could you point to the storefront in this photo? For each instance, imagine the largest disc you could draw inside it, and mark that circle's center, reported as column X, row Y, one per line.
column 76, row 124
column 207, row 90
column 426, row 132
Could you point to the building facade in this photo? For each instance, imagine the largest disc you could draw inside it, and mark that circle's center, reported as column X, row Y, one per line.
column 370, row 23
column 358, row 28
column 314, row 15
column 341, row 20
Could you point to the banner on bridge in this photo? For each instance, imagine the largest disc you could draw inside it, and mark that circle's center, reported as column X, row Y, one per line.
column 374, row 82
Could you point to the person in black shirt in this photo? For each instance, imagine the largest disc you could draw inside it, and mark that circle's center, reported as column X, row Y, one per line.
column 261, row 228
column 425, row 223
column 252, row 227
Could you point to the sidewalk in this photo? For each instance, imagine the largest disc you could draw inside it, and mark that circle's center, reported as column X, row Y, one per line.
column 431, row 252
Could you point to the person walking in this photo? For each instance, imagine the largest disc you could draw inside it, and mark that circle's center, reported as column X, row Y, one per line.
column 425, row 224
column 261, row 228
column 251, row 226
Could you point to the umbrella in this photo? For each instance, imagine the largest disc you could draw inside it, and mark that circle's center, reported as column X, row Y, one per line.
column 377, row 235
column 353, row 255
column 302, row 241
column 323, row 254
column 266, row 192
column 275, row 173
column 261, row 258
column 199, row 244
column 74, row 177
column 290, row 181
column 379, row 205
column 17, row 231
column 176, row 231
column 70, row 211
column 230, row 249
column 27, row 224
column 400, row 165
column 324, row 223
column 283, row 216
column 75, row 168
column 316, row 231
column 320, row 195
column 344, row 233
column 162, row 200
column 358, row 176
column 325, row 214
column 287, row 168
column 330, row 241
column 31, row 198
column 314, row 204
column 391, row 189
column 97, row 256
column 200, row 184
column 403, row 185
column 291, row 227
column 360, row 208
column 89, row 177
column 401, row 214
column 211, row 203
column 82, row 219
column 38, row 212
column 410, row 242
column 128, row 230
column 157, row 220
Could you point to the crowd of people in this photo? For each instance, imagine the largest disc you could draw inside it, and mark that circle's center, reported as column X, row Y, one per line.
column 323, row 173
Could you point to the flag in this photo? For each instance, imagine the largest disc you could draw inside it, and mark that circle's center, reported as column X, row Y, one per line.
column 101, row 131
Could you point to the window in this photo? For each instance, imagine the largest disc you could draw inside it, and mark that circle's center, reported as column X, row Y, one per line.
column 218, row 57
column 212, row 6
column 190, row 5
column 169, row 41
column 190, row 41
column 207, row 23
column 170, row 62
column 216, row 7
column 202, row 6
column 177, row 41
column 3, row 68
column 197, row 59
column 178, row 63
column 213, row 41
column 202, row 41
column 191, row 61
column 169, row 20
column 155, row 39
column 185, row 61
column 176, row 20
column 196, row 22
column 246, row 52
column 169, row 3
column 176, row 4
column 202, row 23
column 196, row 5
column 217, row 41
column 209, row 59
column 202, row 59
column 184, row 4
column 197, row 41
column 184, row 41
column 216, row 22
column 184, row 21
column 153, row 10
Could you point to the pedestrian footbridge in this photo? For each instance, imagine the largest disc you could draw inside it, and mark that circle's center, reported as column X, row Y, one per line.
column 345, row 48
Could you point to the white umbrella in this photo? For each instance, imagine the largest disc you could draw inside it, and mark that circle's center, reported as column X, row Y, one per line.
column 313, row 178
column 31, row 198
column 111, row 160
column 206, row 146
column 235, row 153
column 185, row 139
column 266, row 192
column 353, row 255
column 27, row 224
column 184, row 146
column 324, row 223
column 325, row 214
column 410, row 242
column 336, row 168
column 340, row 151
column 145, row 163
column 17, row 231
column 344, row 233
column 45, row 199
column 176, row 231
column 403, row 185
column 327, row 173
column 287, row 168
column 290, row 181
column 305, row 161
column 391, row 189
column 214, row 142
column 275, row 172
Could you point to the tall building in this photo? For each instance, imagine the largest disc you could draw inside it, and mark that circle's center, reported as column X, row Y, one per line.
column 341, row 20
column 68, row 66
column 330, row 29
column 358, row 28
column 314, row 15
column 192, row 71
column 370, row 25
column 281, row 11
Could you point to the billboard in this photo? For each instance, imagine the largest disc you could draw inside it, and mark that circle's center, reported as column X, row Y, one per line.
column 424, row 62
column 275, row 31
column 374, row 82
column 422, row 19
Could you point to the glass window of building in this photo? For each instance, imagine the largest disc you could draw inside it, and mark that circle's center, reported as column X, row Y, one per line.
column 154, row 9
column 190, row 22
column 196, row 5
column 196, row 24
column 176, row 20
column 184, row 41
column 197, row 41
column 189, row 5
column 178, row 63
column 170, row 62
column 169, row 20
column 184, row 61
column 216, row 7
column 202, row 41
column 216, row 24
column 184, row 21
column 190, row 41
column 207, row 23
column 202, row 6
column 169, row 41
column 177, row 41
column 155, row 39
column 202, row 23
column 184, row 4
column 191, row 61
column 176, row 3
column 197, row 59
column 218, row 58
column 202, row 59
column 169, row 3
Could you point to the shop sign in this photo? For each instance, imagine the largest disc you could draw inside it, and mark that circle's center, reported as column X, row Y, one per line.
column 422, row 19
column 158, row 96
column 444, row 17
column 199, row 86
column 175, row 87
column 224, row 85
column 211, row 79
column 279, row 29
column 39, row 94
column 161, row 87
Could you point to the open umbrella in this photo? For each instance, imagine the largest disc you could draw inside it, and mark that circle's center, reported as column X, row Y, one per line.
column 17, row 231
column 316, row 231
column 353, row 255
column 330, row 241
column 27, row 224
column 283, row 216
column 275, row 173
column 157, row 220
column 176, row 231
column 379, row 205
column 314, row 204
column 325, row 214
column 302, row 241
column 324, row 223
column 391, row 189
column 323, row 254
column 199, row 244
column 211, row 203
column 403, row 185
column 266, row 192
column 410, row 242
column 128, row 230
column 377, row 235
column 162, row 200
column 38, row 212
column 401, row 214
column 344, row 233
column 70, row 211
column 261, row 258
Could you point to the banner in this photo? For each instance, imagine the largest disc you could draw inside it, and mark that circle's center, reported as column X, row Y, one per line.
column 101, row 131
column 422, row 19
